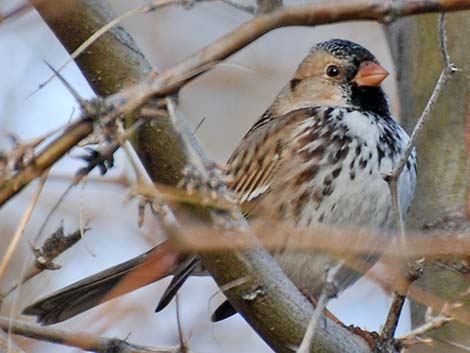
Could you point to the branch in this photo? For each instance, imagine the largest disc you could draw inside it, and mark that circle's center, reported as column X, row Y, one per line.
column 268, row 300
column 329, row 291
column 16, row 11
column 80, row 340
column 6, row 344
column 53, row 246
column 432, row 323
column 392, row 179
column 22, row 226
column 123, row 71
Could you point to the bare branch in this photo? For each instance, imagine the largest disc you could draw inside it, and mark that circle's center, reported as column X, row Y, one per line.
column 387, row 342
column 328, row 292
column 152, row 6
column 16, row 11
column 80, row 340
column 22, row 226
column 7, row 345
column 255, row 264
column 393, row 177
column 432, row 323
column 171, row 80
column 55, row 245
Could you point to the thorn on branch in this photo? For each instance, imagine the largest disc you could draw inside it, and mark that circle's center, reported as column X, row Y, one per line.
column 18, row 157
column 415, row 270
column 211, row 187
column 56, row 244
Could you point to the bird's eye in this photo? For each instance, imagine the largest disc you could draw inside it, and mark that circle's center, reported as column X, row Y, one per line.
column 332, row 71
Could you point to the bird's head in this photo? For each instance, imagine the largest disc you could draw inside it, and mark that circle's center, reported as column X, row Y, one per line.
column 338, row 72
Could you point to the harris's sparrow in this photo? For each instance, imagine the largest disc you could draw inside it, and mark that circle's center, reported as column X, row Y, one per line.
column 317, row 155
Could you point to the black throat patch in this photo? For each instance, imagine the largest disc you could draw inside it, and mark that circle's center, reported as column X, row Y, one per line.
column 370, row 99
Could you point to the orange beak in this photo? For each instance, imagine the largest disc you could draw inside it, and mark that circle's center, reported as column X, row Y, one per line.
column 370, row 74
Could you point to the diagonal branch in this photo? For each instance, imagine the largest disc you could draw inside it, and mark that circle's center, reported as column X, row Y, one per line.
column 81, row 340
column 268, row 300
column 173, row 79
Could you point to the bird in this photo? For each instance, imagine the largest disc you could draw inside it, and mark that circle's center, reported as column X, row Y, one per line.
column 318, row 155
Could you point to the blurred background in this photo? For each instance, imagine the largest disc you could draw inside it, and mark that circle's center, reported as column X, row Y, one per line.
column 227, row 100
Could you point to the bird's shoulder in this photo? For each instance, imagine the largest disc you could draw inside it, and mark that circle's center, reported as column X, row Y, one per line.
column 263, row 150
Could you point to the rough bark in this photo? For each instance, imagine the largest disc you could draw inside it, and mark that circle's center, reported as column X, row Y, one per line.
column 442, row 192
column 112, row 63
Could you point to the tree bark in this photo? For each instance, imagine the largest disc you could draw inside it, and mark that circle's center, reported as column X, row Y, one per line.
column 110, row 64
column 443, row 186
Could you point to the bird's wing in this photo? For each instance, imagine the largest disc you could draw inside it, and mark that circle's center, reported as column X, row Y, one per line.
column 254, row 163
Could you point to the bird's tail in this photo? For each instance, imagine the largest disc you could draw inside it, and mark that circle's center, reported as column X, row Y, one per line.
column 113, row 282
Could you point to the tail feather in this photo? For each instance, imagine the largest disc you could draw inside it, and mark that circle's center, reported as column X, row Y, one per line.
column 224, row 311
column 180, row 276
column 113, row 282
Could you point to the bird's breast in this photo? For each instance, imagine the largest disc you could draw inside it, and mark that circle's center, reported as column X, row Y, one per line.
column 333, row 172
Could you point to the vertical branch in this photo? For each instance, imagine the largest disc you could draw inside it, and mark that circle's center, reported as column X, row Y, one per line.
column 393, row 177
column 328, row 292
column 398, row 301
column 442, row 189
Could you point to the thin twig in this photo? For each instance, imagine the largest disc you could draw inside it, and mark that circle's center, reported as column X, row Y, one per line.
column 173, row 79
column 183, row 344
column 413, row 272
column 463, row 347
column 80, row 340
column 393, row 178
column 248, row 9
column 22, row 226
column 413, row 337
column 391, row 322
column 154, row 5
column 18, row 10
column 119, row 180
column 328, row 292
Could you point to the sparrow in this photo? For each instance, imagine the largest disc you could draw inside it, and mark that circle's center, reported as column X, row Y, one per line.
column 318, row 155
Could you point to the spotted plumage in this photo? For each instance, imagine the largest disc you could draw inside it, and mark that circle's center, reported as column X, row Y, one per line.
column 316, row 156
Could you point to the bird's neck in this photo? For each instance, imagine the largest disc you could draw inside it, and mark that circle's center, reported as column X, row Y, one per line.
column 370, row 99
column 303, row 97
column 365, row 99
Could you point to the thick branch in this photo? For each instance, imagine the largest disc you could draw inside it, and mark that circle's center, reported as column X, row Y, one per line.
column 111, row 64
